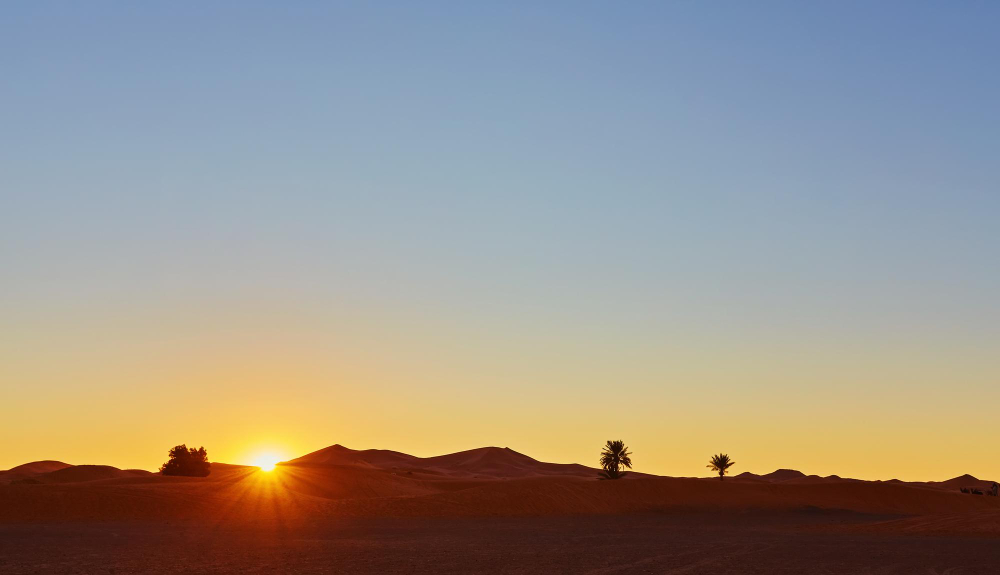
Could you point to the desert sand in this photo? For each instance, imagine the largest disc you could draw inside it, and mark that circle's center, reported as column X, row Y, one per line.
column 339, row 510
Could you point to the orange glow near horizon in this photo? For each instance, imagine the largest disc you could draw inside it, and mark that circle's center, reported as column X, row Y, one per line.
column 857, row 408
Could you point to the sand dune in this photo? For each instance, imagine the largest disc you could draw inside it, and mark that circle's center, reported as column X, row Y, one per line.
column 485, row 482
column 28, row 470
column 788, row 476
column 357, row 518
column 339, row 455
column 485, row 462
column 962, row 481
column 83, row 473
column 792, row 476
column 36, row 467
column 302, row 491
column 80, row 474
column 783, row 475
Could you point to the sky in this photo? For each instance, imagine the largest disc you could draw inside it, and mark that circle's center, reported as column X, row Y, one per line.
column 766, row 229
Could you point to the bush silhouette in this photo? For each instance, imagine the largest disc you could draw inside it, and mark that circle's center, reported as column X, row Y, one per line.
column 187, row 462
column 614, row 457
column 720, row 463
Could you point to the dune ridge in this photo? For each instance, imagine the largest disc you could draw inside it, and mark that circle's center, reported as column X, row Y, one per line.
column 491, row 462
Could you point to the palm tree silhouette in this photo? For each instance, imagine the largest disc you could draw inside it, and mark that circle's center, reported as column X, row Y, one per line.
column 614, row 457
column 720, row 463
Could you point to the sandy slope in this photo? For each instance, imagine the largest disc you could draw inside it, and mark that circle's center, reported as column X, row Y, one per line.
column 487, row 482
column 559, row 496
column 676, row 543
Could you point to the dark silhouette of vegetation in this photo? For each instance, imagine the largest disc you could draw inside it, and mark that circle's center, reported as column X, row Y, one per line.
column 187, row 462
column 720, row 463
column 614, row 458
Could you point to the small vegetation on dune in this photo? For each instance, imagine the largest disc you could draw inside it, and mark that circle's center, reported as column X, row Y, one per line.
column 187, row 462
column 614, row 458
column 720, row 463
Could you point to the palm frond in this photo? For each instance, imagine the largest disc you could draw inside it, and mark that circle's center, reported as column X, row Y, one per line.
column 614, row 456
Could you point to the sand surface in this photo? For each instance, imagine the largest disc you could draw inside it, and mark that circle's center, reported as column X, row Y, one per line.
column 645, row 543
column 486, row 510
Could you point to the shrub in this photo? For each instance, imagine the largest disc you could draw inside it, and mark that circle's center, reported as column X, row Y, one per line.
column 187, row 462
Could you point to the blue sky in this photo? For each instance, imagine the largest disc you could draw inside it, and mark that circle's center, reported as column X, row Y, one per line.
column 805, row 179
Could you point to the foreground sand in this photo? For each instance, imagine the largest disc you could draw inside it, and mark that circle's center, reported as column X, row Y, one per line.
column 756, row 543
column 482, row 511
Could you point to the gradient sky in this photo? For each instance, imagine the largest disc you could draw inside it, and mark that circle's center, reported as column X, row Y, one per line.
column 768, row 229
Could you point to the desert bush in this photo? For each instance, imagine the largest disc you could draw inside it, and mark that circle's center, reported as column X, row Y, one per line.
column 187, row 462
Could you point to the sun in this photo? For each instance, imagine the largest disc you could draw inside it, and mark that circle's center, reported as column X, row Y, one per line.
column 266, row 461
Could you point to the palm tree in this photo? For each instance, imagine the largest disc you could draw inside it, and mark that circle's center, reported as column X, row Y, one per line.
column 720, row 463
column 614, row 457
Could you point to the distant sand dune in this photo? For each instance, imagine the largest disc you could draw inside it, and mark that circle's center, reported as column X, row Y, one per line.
column 28, row 470
column 491, row 462
column 39, row 467
column 83, row 473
